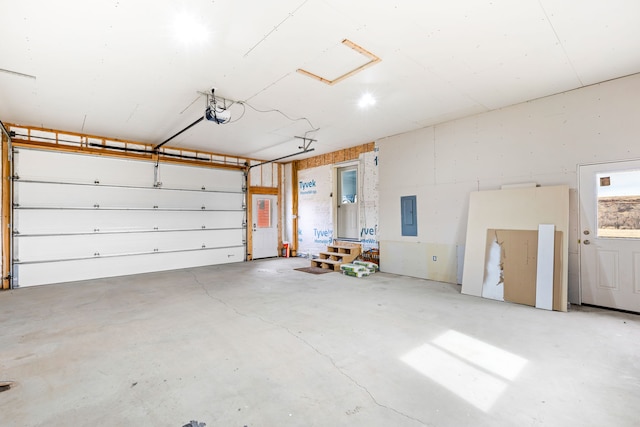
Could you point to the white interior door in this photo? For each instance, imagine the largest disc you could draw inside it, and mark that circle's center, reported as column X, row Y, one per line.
column 347, row 203
column 610, row 235
column 265, row 226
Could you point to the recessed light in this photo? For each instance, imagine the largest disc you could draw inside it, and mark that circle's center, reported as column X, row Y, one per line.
column 189, row 30
column 366, row 100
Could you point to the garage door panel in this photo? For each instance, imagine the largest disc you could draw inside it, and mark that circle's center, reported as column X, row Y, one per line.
column 34, row 221
column 44, row 248
column 37, row 194
column 62, row 218
column 174, row 176
column 41, row 165
column 54, row 195
column 71, row 271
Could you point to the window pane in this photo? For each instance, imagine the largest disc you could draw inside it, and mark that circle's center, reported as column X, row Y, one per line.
column 264, row 213
column 619, row 204
column 349, row 186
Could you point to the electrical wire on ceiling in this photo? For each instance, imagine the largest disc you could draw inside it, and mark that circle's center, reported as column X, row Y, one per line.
column 213, row 100
column 244, row 110
column 313, row 128
column 306, row 142
column 221, row 114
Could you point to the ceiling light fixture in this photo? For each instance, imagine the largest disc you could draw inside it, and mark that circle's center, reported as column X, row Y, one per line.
column 189, row 30
column 366, row 100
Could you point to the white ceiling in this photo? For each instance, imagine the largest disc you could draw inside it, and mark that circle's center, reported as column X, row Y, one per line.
column 117, row 69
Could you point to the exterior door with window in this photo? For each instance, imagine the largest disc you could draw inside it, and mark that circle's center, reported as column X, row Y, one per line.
column 610, row 235
column 347, row 203
column 264, row 226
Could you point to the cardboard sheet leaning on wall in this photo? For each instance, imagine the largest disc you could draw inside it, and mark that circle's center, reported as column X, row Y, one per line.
column 511, row 276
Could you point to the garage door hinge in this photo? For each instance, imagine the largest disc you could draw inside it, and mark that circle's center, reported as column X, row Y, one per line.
column 15, row 177
column 16, row 205
column 13, row 282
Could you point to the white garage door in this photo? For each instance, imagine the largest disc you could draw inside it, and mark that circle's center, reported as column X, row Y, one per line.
column 78, row 217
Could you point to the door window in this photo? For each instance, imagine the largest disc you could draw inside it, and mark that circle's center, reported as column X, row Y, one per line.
column 347, row 203
column 618, row 204
column 349, row 186
column 264, row 213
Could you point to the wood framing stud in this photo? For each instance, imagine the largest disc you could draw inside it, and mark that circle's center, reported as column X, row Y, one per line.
column 335, row 156
column 373, row 60
column 6, row 210
column 52, row 139
column 294, row 206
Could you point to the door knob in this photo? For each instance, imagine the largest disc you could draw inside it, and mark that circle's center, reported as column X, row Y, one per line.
column 586, row 232
column 586, row 242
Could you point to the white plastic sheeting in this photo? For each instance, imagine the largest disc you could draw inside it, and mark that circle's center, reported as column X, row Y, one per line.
column 315, row 209
column 316, row 205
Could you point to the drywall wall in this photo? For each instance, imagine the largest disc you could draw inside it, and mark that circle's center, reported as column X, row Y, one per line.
column 407, row 166
column 539, row 141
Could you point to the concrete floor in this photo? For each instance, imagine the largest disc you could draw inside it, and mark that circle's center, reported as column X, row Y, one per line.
column 259, row 344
